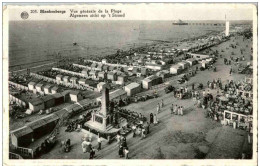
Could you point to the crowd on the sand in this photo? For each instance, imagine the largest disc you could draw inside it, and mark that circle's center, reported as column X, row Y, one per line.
column 226, row 98
column 216, row 98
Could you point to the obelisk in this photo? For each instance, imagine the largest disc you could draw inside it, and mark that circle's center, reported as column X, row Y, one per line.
column 105, row 102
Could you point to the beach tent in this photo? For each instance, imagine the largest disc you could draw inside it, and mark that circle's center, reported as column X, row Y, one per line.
column 36, row 104
column 59, row 78
column 47, row 89
column 132, row 89
column 192, row 61
column 82, row 81
column 39, row 87
column 49, row 101
column 58, row 98
column 66, row 95
column 184, row 64
column 175, row 69
column 55, row 89
column 22, row 137
column 31, row 85
column 39, row 128
column 51, row 121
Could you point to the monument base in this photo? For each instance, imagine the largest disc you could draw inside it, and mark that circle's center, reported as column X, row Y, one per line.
column 99, row 127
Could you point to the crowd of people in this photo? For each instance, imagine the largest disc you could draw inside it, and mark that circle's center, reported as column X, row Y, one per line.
column 176, row 110
column 122, row 145
column 160, row 106
column 76, row 125
column 66, row 145
column 88, row 148
column 183, row 93
column 227, row 98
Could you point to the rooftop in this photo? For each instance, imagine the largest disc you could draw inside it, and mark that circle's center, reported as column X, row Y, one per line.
column 150, row 78
column 36, row 101
column 31, row 83
column 47, row 98
column 132, row 85
column 116, row 93
column 74, row 92
column 22, row 131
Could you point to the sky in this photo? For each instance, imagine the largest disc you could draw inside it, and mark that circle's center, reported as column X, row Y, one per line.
column 142, row 11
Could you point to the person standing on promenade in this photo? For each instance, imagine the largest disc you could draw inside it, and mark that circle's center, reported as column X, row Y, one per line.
column 126, row 153
column 99, row 143
column 92, row 153
column 118, row 138
column 120, row 151
column 84, row 146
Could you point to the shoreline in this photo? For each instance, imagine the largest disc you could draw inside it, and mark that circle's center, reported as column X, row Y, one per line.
column 153, row 44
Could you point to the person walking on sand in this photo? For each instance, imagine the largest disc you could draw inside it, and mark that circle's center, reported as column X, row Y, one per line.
column 175, row 109
column 230, row 72
column 186, row 89
column 148, row 127
column 181, row 111
column 171, row 109
column 143, row 132
column 151, row 118
column 162, row 104
column 158, row 108
column 155, row 119
column 208, row 83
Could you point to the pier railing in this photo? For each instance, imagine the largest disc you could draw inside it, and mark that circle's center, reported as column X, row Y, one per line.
column 14, row 156
column 24, row 152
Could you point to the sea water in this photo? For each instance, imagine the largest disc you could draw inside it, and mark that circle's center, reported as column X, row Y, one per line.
column 32, row 41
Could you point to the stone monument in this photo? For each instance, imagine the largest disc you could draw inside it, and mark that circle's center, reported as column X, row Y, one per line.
column 102, row 119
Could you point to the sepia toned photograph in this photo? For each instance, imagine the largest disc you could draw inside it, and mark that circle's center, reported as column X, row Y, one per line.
column 130, row 81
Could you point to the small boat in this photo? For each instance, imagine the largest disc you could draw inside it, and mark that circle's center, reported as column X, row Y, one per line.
column 179, row 22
